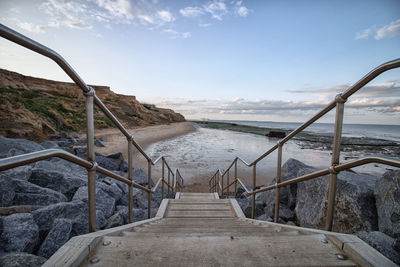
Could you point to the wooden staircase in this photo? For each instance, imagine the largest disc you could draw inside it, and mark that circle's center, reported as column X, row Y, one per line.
column 201, row 230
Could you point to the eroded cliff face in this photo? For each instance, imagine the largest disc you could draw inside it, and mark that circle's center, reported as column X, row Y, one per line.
column 35, row 108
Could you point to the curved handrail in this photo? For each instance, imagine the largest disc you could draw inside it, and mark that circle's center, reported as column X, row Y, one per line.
column 345, row 95
column 91, row 98
column 24, row 41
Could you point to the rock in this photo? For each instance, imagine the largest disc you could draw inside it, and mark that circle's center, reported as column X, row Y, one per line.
column 276, row 134
column 264, row 217
column 113, row 190
column 140, row 177
column 287, row 194
column 57, row 237
column 45, row 178
column 27, row 193
column 241, row 193
column 118, row 159
column 387, row 195
column 246, row 206
column 138, row 214
column 21, row 259
column 106, row 163
column 7, row 192
column 114, row 221
column 354, row 207
column 103, row 201
column 396, row 245
column 76, row 211
column 49, row 145
column 285, row 213
column 99, row 143
column 20, row 173
column 292, row 223
column 20, row 233
column 25, row 146
column 382, row 243
column 141, row 214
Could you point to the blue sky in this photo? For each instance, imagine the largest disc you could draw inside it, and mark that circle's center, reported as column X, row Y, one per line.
column 250, row 60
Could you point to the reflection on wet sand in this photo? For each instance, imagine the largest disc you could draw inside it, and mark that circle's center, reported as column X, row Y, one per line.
column 199, row 154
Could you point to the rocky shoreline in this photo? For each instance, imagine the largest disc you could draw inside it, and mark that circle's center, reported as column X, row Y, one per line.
column 357, row 146
column 44, row 204
column 366, row 205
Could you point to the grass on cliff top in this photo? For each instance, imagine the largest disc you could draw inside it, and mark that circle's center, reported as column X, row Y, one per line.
column 51, row 107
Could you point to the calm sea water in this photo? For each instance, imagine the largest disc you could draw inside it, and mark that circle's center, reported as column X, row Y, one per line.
column 387, row 132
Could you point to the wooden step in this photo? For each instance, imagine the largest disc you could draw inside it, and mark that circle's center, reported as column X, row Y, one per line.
column 199, row 214
column 297, row 250
column 202, row 232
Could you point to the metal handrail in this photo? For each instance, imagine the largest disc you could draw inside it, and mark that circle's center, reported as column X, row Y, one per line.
column 91, row 98
column 335, row 167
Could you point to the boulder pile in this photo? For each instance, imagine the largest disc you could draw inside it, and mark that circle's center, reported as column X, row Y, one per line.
column 44, row 204
column 366, row 205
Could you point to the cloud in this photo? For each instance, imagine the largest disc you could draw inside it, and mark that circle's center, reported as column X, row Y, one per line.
column 175, row 35
column 205, row 25
column 364, row 34
column 265, row 107
column 117, row 8
column 240, row 10
column 165, row 16
column 389, row 30
column 191, row 11
column 30, row 27
column 217, row 9
column 390, row 88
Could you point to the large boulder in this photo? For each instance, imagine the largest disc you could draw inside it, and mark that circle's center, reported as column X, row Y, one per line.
column 287, row 194
column 20, row 173
column 27, row 193
column 46, row 178
column 285, row 213
column 382, row 243
column 246, row 205
column 21, row 259
column 76, row 211
column 355, row 208
column 20, row 233
column 59, row 235
column 103, row 201
column 7, row 192
column 387, row 195
column 138, row 214
column 21, row 145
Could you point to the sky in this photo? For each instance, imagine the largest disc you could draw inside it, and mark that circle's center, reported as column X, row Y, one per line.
column 227, row 60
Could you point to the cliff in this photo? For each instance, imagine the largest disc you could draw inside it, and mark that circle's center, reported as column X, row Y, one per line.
column 35, row 108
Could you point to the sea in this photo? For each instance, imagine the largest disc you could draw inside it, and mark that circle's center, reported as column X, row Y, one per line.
column 380, row 131
column 200, row 153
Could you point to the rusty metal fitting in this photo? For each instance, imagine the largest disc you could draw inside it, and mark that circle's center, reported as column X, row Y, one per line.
column 94, row 166
column 340, row 99
column 280, row 143
column 332, row 170
column 91, row 92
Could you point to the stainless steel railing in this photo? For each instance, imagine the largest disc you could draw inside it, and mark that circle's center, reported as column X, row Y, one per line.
column 90, row 164
column 216, row 183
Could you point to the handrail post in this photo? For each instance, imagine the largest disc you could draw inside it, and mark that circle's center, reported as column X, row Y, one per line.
column 236, row 178
column 162, row 178
column 130, row 177
column 222, row 185
column 91, row 157
column 227, row 183
column 149, row 187
column 335, row 161
column 278, row 179
column 253, row 196
column 169, row 174
column 173, row 185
